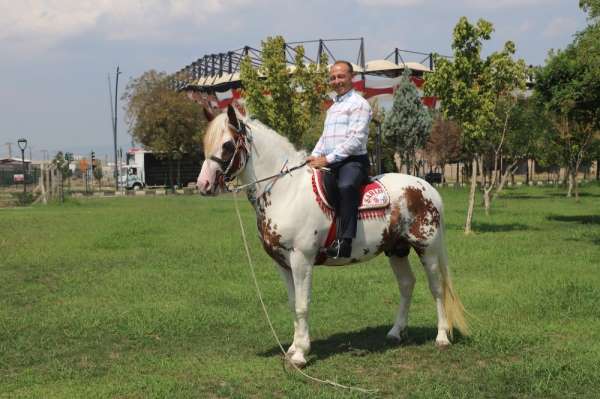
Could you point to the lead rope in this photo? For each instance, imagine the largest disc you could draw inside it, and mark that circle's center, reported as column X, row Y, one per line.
column 264, row 308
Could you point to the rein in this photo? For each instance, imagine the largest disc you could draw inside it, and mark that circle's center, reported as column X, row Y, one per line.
column 287, row 171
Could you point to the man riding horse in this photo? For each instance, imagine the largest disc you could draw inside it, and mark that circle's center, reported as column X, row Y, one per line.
column 342, row 148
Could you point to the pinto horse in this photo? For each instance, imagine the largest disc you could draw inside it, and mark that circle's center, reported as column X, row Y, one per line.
column 293, row 226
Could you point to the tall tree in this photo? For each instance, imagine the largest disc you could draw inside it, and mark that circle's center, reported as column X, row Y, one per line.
column 408, row 123
column 161, row 119
column 288, row 100
column 470, row 87
column 569, row 88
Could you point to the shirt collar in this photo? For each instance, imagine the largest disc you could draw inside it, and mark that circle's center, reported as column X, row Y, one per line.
column 345, row 96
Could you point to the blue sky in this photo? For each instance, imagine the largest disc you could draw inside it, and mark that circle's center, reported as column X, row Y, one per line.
column 56, row 55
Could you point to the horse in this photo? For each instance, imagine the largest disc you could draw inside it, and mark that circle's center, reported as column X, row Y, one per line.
column 292, row 225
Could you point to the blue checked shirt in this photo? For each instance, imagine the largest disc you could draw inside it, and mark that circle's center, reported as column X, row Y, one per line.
column 346, row 128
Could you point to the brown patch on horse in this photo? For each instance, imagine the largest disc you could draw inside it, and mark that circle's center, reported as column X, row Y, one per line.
column 426, row 217
column 392, row 241
column 271, row 240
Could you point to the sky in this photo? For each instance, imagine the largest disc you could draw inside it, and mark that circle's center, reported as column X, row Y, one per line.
column 56, row 55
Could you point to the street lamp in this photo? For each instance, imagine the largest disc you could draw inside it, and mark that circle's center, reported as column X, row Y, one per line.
column 22, row 145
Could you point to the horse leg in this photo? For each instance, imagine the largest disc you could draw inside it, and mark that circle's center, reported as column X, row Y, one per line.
column 406, row 283
column 288, row 279
column 430, row 260
column 302, row 276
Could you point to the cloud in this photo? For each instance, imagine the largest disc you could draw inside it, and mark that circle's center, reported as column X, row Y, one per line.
column 560, row 26
column 42, row 23
column 498, row 4
column 391, row 3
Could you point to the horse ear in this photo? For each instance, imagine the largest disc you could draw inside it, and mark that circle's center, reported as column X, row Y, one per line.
column 233, row 120
column 208, row 113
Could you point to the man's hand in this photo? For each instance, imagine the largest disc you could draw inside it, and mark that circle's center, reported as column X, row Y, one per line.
column 317, row 162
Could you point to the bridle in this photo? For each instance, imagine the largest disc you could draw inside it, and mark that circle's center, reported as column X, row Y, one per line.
column 229, row 169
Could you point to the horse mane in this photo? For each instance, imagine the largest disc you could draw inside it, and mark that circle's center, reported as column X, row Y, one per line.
column 218, row 126
column 214, row 131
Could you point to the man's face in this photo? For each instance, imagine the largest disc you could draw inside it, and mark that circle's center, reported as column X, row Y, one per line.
column 340, row 78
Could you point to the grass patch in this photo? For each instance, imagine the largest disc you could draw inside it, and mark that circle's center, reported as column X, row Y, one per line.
column 151, row 297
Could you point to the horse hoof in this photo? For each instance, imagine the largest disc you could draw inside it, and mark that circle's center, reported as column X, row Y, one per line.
column 297, row 360
column 442, row 345
column 402, row 336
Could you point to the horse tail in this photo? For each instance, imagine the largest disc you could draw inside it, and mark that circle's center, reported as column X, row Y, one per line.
column 453, row 307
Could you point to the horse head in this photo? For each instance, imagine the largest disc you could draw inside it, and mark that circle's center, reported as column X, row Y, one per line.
column 225, row 150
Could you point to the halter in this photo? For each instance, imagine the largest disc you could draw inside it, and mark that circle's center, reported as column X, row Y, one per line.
column 234, row 166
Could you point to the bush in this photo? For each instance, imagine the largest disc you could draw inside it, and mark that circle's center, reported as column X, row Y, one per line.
column 24, row 199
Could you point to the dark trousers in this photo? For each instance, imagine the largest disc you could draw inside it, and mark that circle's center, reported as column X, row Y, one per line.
column 343, row 185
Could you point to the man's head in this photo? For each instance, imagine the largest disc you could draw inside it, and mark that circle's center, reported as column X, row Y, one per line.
column 340, row 77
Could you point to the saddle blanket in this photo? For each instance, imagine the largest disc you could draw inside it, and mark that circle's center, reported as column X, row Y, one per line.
column 374, row 198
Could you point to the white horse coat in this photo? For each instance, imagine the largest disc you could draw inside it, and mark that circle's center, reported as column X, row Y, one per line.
column 293, row 227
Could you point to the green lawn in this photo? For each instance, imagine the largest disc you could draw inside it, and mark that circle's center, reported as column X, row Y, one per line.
column 152, row 298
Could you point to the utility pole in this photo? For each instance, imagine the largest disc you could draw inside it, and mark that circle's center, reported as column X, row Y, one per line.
column 113, row 112
column 45, row 154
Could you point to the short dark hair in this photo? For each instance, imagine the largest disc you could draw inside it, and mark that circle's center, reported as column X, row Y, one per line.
column 348, row 64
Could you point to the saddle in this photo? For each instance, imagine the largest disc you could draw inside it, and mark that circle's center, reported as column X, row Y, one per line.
column 374, row 198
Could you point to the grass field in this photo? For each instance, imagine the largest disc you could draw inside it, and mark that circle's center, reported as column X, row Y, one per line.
column 153, row 298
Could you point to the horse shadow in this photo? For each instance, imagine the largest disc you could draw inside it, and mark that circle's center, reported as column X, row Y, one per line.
column 583, row 219
column 364, row 342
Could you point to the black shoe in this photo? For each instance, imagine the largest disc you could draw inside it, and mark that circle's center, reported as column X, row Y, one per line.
column 339, row 249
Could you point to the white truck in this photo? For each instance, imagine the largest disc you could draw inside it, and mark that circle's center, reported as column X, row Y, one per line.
column 146, row 169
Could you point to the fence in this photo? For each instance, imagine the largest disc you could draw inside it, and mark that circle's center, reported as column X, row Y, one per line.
column 7, row 178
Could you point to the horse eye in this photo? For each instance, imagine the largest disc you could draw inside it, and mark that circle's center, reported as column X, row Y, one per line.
column 228, row 149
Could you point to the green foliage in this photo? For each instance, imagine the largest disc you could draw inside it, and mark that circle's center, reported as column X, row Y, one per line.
column 527, row 127
column 162, row 120
column 568, row 89
column 290, row 103
column 592, row 7
column 470, row 87
column 62, row 165
column 408, row 124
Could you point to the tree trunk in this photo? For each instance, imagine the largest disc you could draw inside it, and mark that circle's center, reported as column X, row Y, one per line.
column 172, row 186
column 527, row 171
column 597, row 169
column 443, row 173
column 570, row 189
column 179, row 173
column 398, row 161
column 471, row 195
column 510, row 170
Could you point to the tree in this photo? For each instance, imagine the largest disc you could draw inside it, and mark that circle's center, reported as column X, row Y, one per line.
column 407, row 125
column 443, row 145
column 288, row 100
column 525, row 128
column 568, row 86
column 62, row 166
column 161, row 119
column 98, row 173
column 470, row 87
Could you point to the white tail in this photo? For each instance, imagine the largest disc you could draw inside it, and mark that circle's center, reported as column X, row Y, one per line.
column 455, row 311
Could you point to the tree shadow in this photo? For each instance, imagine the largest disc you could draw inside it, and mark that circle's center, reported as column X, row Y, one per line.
column 522, row 196
column 583, row 219
column 581, row 194
column 483, row 227
column 364, row 342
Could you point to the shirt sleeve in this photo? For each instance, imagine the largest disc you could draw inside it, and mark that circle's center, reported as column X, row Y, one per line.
column 358, row 129
column 318, row 150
